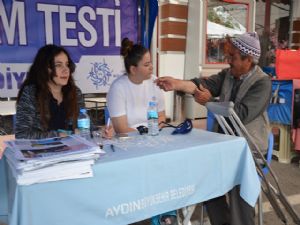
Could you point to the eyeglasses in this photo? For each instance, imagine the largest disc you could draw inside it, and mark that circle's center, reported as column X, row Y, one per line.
column 183, row 128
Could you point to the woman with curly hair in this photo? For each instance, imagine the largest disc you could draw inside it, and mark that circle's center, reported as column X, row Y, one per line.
column 48, row 100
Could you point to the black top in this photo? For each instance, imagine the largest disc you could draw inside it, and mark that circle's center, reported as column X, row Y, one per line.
column 28, row 118
column 58, row 115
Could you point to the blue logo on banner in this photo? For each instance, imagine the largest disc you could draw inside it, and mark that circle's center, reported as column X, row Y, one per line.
column 100, row 74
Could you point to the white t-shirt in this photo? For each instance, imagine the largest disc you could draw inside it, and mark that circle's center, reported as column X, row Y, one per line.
column 127, row 98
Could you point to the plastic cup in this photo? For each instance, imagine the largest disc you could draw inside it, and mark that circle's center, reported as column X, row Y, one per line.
column 97, row 137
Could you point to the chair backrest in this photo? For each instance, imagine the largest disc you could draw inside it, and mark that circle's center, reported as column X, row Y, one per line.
column 14, row 122
column 222, row 110
column 210, row 120
column 269, row 152
column 106, row 114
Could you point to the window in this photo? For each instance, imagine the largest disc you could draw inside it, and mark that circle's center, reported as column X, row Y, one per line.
column 224, row 19
column 272, row 23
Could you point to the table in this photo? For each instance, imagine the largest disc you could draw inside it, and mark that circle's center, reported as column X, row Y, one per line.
column 137, row 183
column 7, row 108
column 3, row 184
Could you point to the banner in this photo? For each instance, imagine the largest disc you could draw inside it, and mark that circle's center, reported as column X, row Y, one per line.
column 149, row 10
column 91, row 31
column 287, row 64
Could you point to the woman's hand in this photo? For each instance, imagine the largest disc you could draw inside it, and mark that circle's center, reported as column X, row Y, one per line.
column 63, row 133
column 108, row 132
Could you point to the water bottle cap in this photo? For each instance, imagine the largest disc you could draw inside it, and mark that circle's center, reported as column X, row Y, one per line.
column 152, row 103
column 83, row 110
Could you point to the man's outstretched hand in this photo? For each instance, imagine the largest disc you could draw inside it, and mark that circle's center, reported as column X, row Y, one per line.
column 166, row 83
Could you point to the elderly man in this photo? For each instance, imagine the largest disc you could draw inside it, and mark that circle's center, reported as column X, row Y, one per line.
column 249, row 88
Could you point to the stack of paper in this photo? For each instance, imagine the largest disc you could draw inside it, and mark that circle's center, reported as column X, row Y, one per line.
column 51, row 159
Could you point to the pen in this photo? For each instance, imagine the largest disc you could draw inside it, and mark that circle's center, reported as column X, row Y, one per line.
column 112, row 147
column 108, row 122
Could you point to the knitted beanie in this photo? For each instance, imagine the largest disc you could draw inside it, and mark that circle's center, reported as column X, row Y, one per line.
column 248, row 43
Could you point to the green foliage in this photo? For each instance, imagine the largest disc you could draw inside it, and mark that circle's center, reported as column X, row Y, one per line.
column 215, row 18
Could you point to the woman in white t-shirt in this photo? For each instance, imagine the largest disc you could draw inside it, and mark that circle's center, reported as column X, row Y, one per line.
column 130, row 94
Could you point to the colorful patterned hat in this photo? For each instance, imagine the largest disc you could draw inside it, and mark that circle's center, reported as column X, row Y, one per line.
column 248, row 43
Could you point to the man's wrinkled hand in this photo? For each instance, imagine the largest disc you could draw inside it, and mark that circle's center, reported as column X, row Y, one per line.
column 202, row 95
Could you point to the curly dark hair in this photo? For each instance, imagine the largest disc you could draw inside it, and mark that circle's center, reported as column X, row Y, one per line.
column 40, row 73
column 132, row 53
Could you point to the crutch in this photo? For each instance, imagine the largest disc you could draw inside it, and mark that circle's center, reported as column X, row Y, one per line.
column 223, row 110
column 187, row 213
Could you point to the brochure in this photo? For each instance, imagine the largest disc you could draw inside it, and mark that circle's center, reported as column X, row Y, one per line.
column 51, row 159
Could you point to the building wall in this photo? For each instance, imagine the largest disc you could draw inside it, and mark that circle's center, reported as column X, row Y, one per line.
column 181, row 47
column 295, row 38
column 176, row 21
column 171, row 43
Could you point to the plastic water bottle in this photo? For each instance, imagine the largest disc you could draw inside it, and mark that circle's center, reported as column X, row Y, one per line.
column 152, row 116
column 83, row 124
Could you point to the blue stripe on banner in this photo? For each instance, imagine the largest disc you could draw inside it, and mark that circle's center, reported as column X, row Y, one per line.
column 149, row 10
column 153, row 10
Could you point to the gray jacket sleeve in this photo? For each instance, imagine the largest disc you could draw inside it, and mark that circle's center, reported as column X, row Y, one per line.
column 254, row 103
column 213, row 83
column 256, row 100
column 28, row 120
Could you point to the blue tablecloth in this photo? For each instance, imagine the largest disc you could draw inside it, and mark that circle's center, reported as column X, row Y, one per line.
column 3, row 194
column 137, row 183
